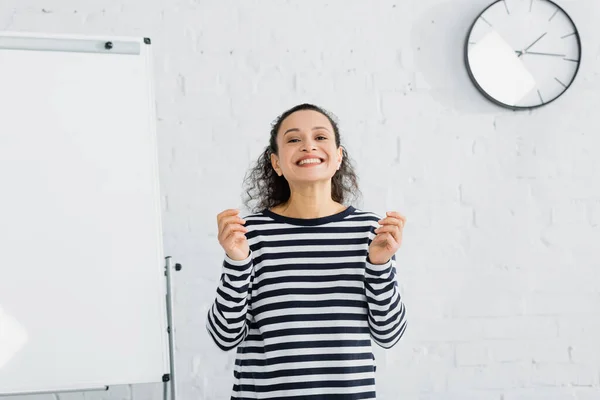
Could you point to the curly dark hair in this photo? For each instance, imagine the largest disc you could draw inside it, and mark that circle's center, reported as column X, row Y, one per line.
column 267, row 189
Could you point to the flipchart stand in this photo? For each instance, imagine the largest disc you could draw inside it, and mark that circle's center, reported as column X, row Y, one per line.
column 169, row 381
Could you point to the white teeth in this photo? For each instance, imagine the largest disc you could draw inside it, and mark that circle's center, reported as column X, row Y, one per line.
column 310, row 161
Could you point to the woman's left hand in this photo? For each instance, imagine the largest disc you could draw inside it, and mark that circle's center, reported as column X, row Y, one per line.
column 388, row 238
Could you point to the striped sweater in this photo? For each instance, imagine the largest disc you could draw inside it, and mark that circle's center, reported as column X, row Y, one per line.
column 305, row 306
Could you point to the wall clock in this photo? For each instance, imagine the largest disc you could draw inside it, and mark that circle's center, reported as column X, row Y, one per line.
column 522, row 54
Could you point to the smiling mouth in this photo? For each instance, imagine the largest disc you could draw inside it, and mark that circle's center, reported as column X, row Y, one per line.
column 310, row 161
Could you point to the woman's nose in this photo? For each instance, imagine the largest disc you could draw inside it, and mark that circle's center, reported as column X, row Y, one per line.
column 309, row 145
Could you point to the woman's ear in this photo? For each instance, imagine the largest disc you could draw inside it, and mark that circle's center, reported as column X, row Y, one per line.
column 275, row 164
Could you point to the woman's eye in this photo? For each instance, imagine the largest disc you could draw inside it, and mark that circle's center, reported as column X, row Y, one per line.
column 318, row 137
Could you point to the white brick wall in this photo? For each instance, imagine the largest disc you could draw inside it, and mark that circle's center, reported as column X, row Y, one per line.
column 498, row 265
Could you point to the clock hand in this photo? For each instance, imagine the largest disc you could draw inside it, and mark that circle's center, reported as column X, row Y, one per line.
column 527, row 48
column 545, row 54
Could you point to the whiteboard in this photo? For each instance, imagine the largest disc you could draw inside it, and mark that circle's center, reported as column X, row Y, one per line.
column 82, row 285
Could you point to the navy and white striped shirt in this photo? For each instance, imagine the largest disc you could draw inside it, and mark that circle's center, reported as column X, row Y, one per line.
column 305, row 306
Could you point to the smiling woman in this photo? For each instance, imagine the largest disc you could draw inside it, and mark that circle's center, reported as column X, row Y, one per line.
column 302, row 132
column 307, row 282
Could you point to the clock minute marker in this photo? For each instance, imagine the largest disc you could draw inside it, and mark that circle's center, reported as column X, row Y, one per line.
column 557, row 80
column 539, row 94
column 486, row 21
column 506, row 6
column 570, row 59
column 555, row 12
column 530, row 5
column 566, row 36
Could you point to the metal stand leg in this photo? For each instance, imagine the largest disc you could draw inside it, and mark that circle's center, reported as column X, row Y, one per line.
column 170, row 329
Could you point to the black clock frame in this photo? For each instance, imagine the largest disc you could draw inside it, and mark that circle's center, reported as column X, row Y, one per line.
column 488, row 96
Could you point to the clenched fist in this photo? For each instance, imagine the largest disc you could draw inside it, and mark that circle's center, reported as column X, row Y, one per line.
column 232, row 235
column 388, row 238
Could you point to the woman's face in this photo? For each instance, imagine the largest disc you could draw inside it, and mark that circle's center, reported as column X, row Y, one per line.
column 306, row 134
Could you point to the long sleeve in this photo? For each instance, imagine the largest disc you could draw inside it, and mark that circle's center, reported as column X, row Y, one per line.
column 227, row 319
column 387, row 315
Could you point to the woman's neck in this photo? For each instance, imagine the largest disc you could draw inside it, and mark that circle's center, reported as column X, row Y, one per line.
column 306, row 210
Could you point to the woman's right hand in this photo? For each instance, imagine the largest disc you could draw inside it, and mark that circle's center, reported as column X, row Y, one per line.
column 232, row 235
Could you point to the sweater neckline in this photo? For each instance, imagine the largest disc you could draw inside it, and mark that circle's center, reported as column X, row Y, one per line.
column 309, row 221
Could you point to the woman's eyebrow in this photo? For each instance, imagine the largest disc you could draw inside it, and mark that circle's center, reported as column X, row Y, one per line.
column 298, row 130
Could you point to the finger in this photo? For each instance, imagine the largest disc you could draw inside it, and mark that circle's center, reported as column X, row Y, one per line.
column 387, row 228
column 226, row 213
column 230, row 220
column 392, row 221
column 238, row 236
column 383, row 239
column 397, row 235
column 232, row 229
column 395, row 214
column 392, row 230
column 234, row 219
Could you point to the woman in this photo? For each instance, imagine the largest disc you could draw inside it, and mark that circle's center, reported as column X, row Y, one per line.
column 307, row 282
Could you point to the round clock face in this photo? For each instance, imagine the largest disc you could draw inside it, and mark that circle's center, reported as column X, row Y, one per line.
column 523, row 53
